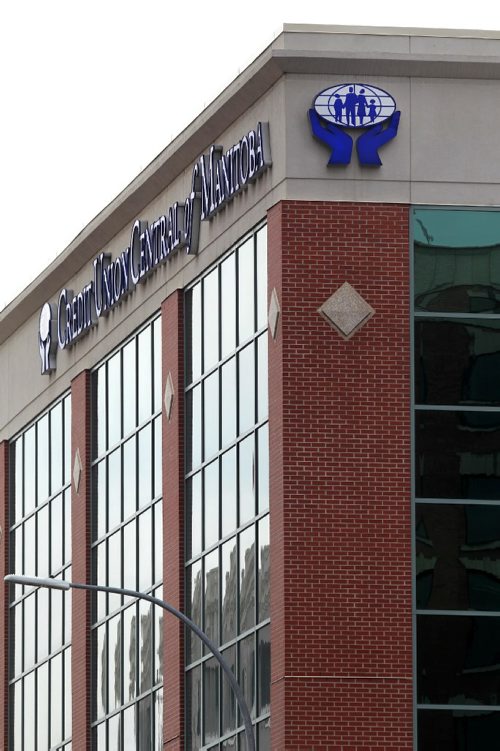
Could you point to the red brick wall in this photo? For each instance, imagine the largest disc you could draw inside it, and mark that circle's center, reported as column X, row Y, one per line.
column 173, row 522
column 4, row 594
column 81, row 563
column 341, row 572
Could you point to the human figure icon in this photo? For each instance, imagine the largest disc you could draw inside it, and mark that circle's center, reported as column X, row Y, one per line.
column 338, row 106
column 362, row 105
column 343, row 108
column 351, row 100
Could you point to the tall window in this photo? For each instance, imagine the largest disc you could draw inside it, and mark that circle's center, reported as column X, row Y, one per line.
column 457, row 477
column 40, row 619
column 127, row 548
column 227, row 492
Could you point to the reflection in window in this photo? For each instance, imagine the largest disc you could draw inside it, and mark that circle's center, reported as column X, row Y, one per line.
column 211, row 595
column 227, row 493
column 194, row 609
column 457, row 261
column 193, row 708
column 40, row 543
column 457, row 476
column 457, row 361
column 229, row 590
column 228, row 699
column 247, row 578
column 264, row 668
column 247, row 672
column 458, row 557
column 457, row 454
column 458, row 660
column 263, row 570
column 127, row 544
column 211, row 700
column 458, row 730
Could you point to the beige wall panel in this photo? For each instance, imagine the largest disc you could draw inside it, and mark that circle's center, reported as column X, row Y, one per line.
column 454, row 132
column 455, row 194
column 347, row 190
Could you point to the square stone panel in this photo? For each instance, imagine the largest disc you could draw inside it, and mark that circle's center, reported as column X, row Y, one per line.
column 346, row 311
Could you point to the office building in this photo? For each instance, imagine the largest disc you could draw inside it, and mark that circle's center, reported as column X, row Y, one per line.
column 263, row 385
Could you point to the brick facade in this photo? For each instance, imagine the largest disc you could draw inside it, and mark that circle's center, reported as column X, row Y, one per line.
column 339, row 420
column 173, row 521
column 340, row 482
column 81, row 566
column 4, row 594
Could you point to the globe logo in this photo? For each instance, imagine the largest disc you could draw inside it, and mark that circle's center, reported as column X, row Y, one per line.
column 354, row 105
column 347, row 106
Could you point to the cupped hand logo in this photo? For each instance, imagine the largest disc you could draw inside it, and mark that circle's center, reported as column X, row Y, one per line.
column 353, row 106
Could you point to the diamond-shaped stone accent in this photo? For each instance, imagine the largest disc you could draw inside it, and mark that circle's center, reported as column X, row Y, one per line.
column 346, row 311
column 77, row 470
column 169, row 396
column 274, row 313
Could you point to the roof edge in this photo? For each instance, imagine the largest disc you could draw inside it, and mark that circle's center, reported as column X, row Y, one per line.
column 391, row 31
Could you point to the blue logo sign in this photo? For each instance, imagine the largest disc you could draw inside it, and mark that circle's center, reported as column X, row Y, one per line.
column 354, row 106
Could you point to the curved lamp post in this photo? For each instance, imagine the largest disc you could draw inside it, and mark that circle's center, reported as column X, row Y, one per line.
column 59, row 584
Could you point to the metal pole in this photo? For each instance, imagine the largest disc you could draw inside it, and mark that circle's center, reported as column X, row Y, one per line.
column 59, row 584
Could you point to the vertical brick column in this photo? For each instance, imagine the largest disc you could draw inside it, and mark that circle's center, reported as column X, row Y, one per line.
column 81, row 562
column 276, row 477
column 341, row 574
column 173, row 520
column 4, row 594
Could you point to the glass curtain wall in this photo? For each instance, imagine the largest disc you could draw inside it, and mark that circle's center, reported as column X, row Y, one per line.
column 127, row 546
column 457, row 477
column 40, row 619
column 227, row 496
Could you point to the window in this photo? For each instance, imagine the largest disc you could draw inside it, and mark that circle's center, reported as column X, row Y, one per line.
column 127, row 545
column 40, row 545
column 227, row 496
column 457, row 477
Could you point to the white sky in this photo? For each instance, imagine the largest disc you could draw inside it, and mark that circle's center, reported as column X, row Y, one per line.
column 92, row 91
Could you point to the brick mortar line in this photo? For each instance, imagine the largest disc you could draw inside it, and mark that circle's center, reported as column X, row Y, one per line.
column 170, row 740
column 344, row 678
